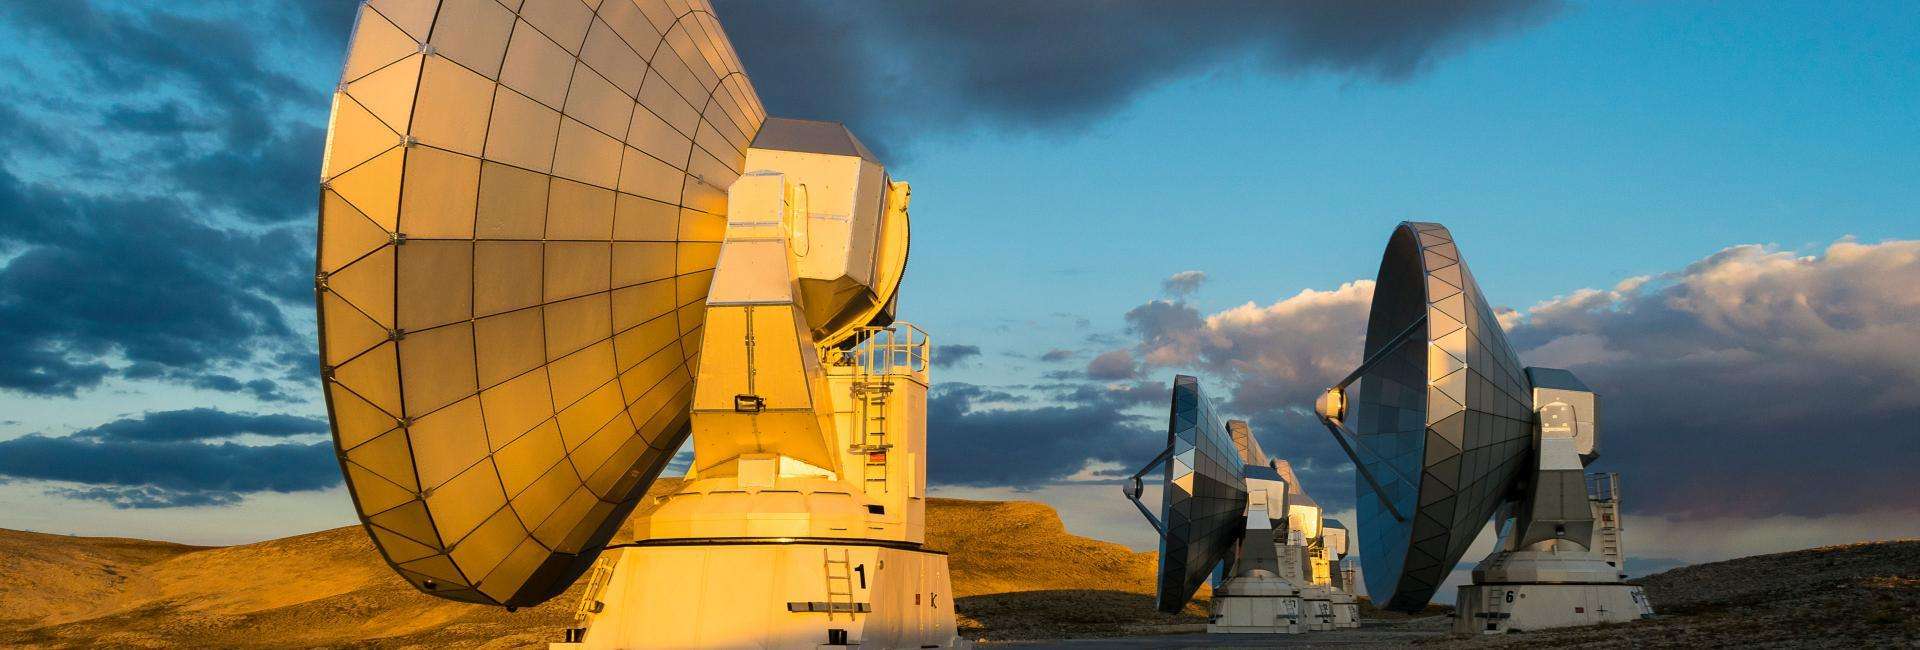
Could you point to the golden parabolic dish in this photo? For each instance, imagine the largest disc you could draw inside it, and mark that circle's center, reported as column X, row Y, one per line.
column 521, row 208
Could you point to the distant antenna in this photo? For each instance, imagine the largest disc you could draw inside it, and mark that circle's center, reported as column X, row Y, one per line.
column 1448, row 429
column 1228, row 514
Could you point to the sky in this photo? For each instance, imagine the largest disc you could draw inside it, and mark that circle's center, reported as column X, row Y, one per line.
column 1709, row 211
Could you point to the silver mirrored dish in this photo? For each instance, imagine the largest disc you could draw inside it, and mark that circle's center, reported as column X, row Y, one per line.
column 1204, row 497
column 1442, row 420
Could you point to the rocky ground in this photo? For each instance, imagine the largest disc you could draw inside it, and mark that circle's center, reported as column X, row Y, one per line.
column 1854, row 596
column 1020, row 578
column 1859, row 595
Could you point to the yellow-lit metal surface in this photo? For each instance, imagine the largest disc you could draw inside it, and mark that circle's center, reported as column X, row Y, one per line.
column 809, row 430
column 522, row 206
column 770, row 391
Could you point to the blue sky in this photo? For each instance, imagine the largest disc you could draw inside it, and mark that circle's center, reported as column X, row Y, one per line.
column 1569, row 147
column 1636, row 137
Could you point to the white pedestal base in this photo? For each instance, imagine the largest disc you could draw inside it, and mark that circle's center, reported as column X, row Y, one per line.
column 1497, row 608
column 1256, row 604
column 743, row 594
column 1346, row 611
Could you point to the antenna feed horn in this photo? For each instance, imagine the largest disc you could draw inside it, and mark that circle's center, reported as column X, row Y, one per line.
column 1332, row 404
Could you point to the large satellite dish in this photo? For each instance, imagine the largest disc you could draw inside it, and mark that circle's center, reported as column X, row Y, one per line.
column 1449, row 429
column 520, row 214
column 1204, row 498
column 1443, row 420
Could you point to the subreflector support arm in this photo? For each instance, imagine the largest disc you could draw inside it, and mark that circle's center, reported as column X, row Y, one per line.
column 1332, row 408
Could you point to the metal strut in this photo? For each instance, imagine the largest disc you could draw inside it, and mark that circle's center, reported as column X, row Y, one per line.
column 1133, row 488
column 1381, row 354
column 1339, row 429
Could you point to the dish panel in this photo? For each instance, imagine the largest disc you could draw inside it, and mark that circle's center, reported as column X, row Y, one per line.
column 1204, row 498
column 1444, row 422
column 520, row 210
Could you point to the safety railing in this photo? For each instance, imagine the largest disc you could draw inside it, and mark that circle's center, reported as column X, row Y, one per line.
column 897, row 349
column 1603, row 486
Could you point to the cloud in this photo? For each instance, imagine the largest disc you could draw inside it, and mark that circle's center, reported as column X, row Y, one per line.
column 195, row 112
column 1112, row 364
column 133, row 472
column 1753, row 362
column 107, row 286
column 1752, row 382
column 971, row 444
column 148, row 497
column 155, row 202
column 892, row 70
column 203, row 424
column 1284, row 353
column 1118, row 393
column 947, row 356
column 976, row 394
column 1184, row 283
column 181, row 458
column 1057, row 355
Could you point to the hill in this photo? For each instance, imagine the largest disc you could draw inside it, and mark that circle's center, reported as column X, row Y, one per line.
column 330, row 588
column 1018, row 574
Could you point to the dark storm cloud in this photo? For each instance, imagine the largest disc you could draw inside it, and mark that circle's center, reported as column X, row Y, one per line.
column 139, row 195
column 976, row 446
column 153, row 462
column 211, row 103
column 1753, row 382
column 140, row 280
column 203, row 424
column 974, row 393
column 947, row 356
column 147, row 497
column 1120, row 394
column 895, row 68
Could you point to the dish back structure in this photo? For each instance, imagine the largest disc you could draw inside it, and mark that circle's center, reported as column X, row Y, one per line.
column 1444, row 420
column 521, row 208
column 1205, row 499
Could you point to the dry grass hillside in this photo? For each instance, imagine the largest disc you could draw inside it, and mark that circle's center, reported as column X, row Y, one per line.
column 51, row 578
column 330, row 589
column 1005, row 546
column 1017, row 572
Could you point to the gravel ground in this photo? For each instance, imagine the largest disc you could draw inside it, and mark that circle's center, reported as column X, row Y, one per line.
column 1855, row 596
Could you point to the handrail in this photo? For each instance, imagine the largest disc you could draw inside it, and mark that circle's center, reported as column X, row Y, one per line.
column 900, row 348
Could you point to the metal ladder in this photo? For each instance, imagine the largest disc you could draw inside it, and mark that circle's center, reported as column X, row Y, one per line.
column 873, row 391
column 841, row 599
column 590, row 603
column 1603, row 491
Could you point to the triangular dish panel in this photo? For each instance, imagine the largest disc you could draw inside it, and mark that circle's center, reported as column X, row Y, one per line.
column 1438, row 377
column 388, row 212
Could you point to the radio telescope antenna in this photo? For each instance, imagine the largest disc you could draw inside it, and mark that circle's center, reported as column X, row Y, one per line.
column 557, row 238
column 1230, row 513
column 1447, row 429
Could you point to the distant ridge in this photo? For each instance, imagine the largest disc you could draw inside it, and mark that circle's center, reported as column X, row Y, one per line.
column 330, row 588
column 1017, row 573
